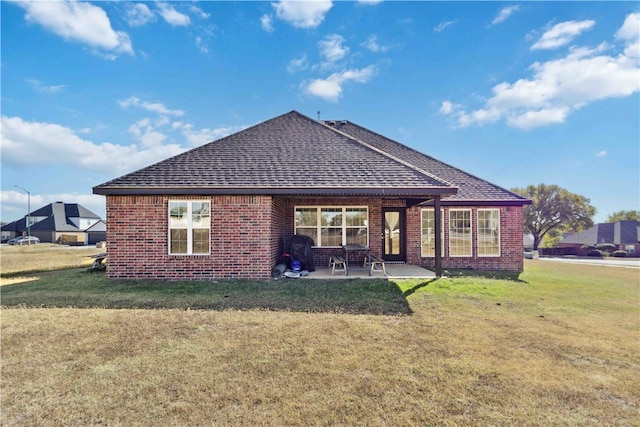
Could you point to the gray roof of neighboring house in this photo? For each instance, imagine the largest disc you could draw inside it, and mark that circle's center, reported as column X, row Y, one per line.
column 618, row 233
column 57, row 218
column 297, row 155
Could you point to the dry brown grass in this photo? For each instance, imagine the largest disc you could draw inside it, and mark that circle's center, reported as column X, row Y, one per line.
column 487, row 352
column 43, row 257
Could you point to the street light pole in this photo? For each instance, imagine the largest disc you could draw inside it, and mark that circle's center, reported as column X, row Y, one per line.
column 28, row 214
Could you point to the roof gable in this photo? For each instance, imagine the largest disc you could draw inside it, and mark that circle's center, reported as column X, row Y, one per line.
column 75, row 210
column 626, row 232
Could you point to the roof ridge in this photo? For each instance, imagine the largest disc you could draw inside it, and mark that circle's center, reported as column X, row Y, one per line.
column 391, row 156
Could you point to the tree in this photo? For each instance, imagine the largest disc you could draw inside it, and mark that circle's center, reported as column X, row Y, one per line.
column 624, row 216
column 554, row 208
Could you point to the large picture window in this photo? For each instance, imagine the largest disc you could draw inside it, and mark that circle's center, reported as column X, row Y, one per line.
column 488, row 232
column 460, row 232
column 428, row 232
column 333, row 226
column 189, row 225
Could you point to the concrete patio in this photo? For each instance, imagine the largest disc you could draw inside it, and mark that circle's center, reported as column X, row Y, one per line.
column 394, row 271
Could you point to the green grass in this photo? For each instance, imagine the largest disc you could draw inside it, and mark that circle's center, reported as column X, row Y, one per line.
column 557, row 346
column 81, row 288
column 43, row 257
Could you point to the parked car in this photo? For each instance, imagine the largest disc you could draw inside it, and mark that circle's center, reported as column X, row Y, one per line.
column 24, row 240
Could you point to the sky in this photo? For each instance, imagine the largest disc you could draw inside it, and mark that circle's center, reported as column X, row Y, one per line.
column 517, row 93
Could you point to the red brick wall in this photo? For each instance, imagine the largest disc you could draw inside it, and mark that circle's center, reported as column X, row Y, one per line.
column 242, row 239
column 250, row 233
column 511, row 248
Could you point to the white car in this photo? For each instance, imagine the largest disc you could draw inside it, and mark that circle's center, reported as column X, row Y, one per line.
column 24, row 240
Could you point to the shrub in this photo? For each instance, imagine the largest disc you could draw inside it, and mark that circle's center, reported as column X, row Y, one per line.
column 619, row 253
column 595, row 252
column 587, row 247
column 606, row 247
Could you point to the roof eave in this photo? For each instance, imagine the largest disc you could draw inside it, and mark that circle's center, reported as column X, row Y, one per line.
column 317, row 191
column 482, row 202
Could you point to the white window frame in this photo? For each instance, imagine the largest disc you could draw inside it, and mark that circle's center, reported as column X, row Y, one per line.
column 189, row 227
column 422, row 233
column 479, row 246
column 317, row 240
column 451, row 252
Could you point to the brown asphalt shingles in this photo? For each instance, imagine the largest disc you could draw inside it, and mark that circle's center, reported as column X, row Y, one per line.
column 297, row 154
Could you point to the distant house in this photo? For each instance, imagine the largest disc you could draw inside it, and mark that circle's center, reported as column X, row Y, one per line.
column 59, row 222
column 527, row 242
column 624, row 234
column 229, row 208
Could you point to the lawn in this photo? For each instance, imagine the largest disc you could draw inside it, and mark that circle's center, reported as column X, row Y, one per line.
column 559, row 346
column 43, row 257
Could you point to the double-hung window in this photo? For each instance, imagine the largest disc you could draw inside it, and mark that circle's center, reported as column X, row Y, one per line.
column 428, row 232
column 333, row 225
column 460, row 232
column 488, row 232
column 189, row 226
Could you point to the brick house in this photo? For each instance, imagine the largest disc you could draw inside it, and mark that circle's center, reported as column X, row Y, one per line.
column 624, row 234
column 228, row 209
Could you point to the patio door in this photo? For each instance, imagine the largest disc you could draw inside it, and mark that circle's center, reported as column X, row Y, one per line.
column 393, row 234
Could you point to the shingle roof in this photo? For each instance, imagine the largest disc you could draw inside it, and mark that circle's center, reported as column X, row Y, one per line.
column 289, row 154
column 470, row 187
column 295, row 154
column 618, row 233
column 57, row 218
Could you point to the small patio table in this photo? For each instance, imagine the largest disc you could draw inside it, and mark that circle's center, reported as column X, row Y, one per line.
column 353, row 248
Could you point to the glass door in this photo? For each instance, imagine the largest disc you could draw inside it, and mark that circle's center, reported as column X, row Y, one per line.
column 393, row 245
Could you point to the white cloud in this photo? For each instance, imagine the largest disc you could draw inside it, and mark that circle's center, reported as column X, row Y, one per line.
column 601, row 154
column 198, row 12
column 446, row 107
column 562, row 34
column 156, row 107
column 42, row 88
column 330, row 88
column 504, row 14
column 536, row 118
column 302, row 14
column 630, row 32
column 368, row 2
column 196, row 137
column 138, row 14
column 556, row 88
column 373, row 45
column 441, row 26
column 148, row 133
column 297, row 64
column 80, row 22
column 144, row 132
column 332, row 50
column 202, row 45
column 60, row 145
column 267, row 23
column 172, row 16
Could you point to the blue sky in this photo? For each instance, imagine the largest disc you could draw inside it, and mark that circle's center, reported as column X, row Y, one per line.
column 516, row 93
